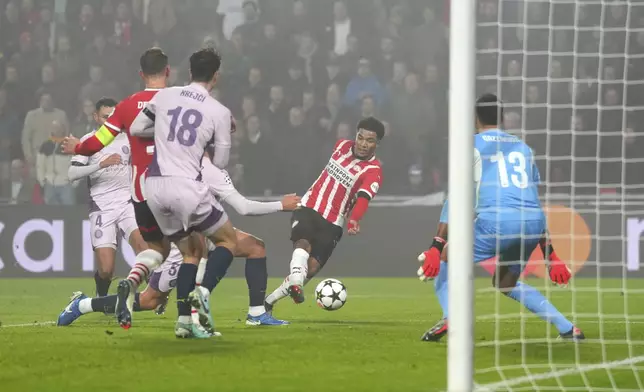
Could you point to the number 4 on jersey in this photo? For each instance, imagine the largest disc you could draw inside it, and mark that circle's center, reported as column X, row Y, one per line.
column 519, row 175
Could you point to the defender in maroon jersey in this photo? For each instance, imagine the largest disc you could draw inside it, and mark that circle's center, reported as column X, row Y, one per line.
column 348, row 182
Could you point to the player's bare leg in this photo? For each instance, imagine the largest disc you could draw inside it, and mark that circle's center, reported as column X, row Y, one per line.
column 145, row 262
column 299, row 270
column 137, row 242
column 313, row 267
column 105, row 257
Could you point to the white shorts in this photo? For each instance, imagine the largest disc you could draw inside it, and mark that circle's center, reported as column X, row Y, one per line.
column 105, row 226
column 181, row 205
column 164, row 278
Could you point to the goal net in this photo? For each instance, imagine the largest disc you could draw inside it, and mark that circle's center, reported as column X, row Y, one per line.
column 570, row 74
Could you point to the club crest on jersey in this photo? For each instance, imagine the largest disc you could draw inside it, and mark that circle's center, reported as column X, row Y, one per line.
column 125, row 149
column 98, row 233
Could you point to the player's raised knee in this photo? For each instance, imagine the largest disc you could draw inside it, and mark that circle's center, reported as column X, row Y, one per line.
column 303, row 244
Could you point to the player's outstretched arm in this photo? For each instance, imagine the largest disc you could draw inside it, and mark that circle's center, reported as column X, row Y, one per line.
column 91, row 145
column 78, row 170
column 244, row 206
column 222, row 187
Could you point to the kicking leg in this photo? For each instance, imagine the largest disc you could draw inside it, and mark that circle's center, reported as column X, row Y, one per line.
column 314, row 266
column 299, row 270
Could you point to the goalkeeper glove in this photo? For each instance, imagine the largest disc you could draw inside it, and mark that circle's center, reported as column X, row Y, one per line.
column 559, row 272
column 431, row 259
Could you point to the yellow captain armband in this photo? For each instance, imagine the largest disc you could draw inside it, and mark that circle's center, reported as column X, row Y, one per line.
column 104, row 135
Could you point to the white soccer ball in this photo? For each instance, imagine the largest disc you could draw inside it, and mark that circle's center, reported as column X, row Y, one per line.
column 330, row 294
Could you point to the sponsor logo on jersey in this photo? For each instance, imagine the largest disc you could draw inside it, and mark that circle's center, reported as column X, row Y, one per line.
column 340, row 173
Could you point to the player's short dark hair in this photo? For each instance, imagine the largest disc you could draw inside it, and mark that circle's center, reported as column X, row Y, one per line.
column 489, row 109
column 105, row 102
column 153, row 61
column 374, row 125
column 204, row 63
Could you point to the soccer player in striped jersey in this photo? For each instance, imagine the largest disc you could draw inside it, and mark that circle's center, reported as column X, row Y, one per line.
column 154, row 72
column 351, row 178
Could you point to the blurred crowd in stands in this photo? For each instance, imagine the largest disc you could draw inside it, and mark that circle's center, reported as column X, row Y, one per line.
column 299, row 74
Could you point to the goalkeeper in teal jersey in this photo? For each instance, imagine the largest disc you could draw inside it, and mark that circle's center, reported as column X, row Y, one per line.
column 509, row 223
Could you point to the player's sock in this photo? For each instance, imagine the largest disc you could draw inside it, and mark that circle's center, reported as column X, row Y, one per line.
column 256, row 279
column 299, row 266
column 441, row 288
column 144, row 263
column 105, row 304
column 279, row 293
column 185, row 285
column 102, row 285
column 535, row 302
column 201, row 271
column 218, row 262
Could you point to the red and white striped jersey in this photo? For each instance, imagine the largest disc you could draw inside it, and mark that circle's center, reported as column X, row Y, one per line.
column 142, row 149
column 334, row 192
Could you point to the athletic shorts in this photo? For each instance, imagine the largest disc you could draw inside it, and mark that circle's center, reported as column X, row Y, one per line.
column 147, row 223
column 106, row 226
column 307, row 224
column 512, row 241
column 164, row 278
column 181, row 206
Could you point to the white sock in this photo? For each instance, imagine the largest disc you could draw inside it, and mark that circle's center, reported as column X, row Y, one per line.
column 85, row 305
column 299, row 266
column 201, row 270
column 279, row 293
column 144, row 263
column 255, row 311
column 185, row 319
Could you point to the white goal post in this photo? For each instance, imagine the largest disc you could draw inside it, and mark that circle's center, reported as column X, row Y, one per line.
column 461, row 122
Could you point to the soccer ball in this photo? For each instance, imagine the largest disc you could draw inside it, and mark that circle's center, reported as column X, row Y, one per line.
column 330, row 294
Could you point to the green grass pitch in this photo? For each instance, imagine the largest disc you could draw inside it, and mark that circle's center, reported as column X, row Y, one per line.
column 372, row 344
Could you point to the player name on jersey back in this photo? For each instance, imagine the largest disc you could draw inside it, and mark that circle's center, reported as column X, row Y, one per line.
column 187, row 120
column 141, row 148
column 333, row 193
